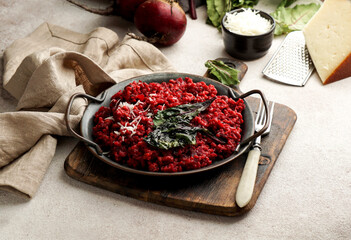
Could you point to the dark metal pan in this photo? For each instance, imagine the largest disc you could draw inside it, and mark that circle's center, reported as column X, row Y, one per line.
column 103, row 99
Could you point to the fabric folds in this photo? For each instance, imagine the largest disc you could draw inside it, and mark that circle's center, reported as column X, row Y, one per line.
column 43, row 71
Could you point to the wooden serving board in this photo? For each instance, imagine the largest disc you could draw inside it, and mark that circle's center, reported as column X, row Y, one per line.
column 212, row 192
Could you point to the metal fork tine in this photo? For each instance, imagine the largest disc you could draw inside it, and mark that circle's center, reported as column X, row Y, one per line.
column 263, row 116
column 271, row 117
column 260, row 112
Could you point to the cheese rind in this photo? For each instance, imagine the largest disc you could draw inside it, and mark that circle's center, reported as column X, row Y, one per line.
column 328, row 40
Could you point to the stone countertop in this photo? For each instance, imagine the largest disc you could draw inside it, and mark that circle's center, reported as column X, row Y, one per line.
column 307, row 195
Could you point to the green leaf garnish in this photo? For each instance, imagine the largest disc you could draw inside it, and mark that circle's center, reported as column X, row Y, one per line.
column 173, row 129
column 225, row 74
column 181, row 113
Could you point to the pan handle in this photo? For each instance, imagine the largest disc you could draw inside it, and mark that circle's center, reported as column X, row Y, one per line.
column 264, row 100
column 67, row 118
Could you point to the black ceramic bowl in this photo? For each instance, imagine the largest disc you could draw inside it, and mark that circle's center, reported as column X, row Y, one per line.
column 248, row 47
column 104, row 100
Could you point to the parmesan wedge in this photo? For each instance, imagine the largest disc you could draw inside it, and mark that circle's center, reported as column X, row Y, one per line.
column 328, row 40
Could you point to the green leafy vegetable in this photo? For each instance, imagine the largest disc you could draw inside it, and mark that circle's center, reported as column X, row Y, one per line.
column 181, row 113
column 287, row 18
column 225, row 74
column 243, row 3
column 173, row 129
column 171, row 135
column 216, row 9
column 213, row 15
column 292, row 19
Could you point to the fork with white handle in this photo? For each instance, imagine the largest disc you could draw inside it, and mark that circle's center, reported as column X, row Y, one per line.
column 248, row 177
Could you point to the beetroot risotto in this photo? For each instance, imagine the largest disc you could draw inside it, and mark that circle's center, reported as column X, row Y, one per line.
column 209, row 131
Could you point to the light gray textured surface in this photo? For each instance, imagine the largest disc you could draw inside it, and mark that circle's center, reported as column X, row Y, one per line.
column 307, row 195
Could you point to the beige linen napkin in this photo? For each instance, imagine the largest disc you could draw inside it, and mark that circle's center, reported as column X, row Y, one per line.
column 42, row 71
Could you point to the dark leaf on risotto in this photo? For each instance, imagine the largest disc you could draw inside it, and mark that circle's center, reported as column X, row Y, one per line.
column 173, row 129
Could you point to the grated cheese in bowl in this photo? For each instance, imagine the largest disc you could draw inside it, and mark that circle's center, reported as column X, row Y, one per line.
column 247, row 22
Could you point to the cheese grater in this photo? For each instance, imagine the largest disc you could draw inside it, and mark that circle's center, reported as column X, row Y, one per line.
column 291, row 63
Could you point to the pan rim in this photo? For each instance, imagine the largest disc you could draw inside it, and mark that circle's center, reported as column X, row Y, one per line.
column 164, row 77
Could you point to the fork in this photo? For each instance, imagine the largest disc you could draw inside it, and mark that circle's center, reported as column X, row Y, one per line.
column 247, row 181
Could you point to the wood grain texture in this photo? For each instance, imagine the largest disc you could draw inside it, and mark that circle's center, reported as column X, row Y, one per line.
column 212, row 192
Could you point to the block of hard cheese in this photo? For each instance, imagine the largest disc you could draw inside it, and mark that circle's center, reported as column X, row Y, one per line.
column 328, row 40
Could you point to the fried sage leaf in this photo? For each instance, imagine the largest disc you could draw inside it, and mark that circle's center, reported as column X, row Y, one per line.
column 225, row 74
column 173, row 129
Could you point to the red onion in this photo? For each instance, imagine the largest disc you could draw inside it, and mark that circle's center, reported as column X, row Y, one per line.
column 162, row 21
